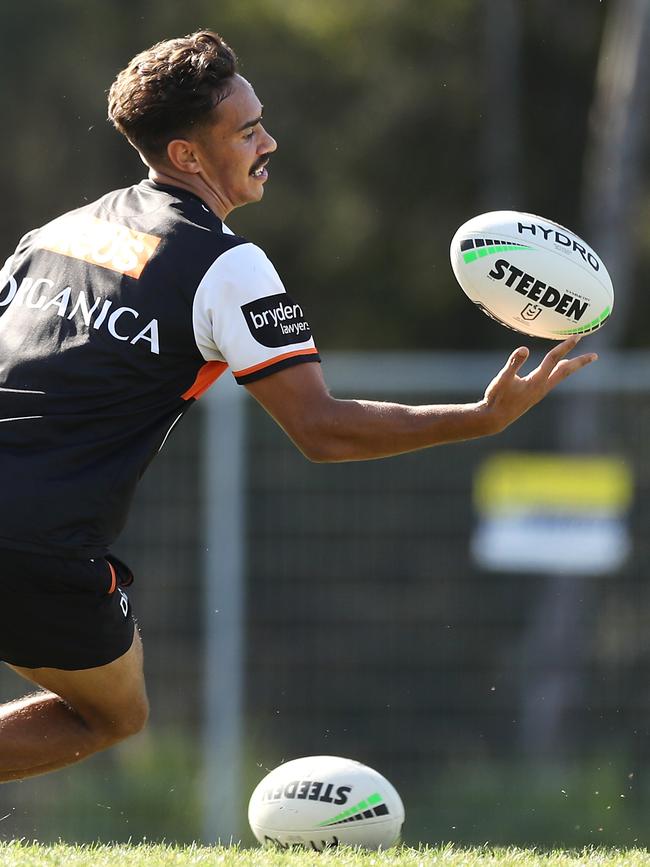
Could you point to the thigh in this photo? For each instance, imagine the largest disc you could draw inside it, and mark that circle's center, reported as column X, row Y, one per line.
column 98, row 694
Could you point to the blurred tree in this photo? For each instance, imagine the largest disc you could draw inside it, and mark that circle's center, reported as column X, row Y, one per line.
column 610, row 200
column 379, row 109
column 501, row 143
column 613, row 162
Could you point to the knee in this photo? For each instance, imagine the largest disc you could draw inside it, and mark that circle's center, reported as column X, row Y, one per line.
column 123, row 723
column 134, row 720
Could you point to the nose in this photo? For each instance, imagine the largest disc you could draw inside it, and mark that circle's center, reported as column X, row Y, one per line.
column 268, row 143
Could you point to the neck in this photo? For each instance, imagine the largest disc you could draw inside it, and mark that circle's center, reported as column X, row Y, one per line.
column 193, row 184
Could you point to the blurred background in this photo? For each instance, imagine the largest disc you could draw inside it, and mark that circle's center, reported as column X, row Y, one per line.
column 398, row 612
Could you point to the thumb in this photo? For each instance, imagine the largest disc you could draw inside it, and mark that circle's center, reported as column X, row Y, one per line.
column 508, row 372
column 517, row 360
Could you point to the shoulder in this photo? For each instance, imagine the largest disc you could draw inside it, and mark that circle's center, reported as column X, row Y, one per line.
column 241, row 274
column 242, row 257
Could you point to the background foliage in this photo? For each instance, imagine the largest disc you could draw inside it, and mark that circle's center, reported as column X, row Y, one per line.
column 380, row 108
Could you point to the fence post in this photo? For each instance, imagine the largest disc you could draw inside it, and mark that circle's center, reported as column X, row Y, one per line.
column 223, row 609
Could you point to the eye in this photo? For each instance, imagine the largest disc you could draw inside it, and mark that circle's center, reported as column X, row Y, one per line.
column 250, row 134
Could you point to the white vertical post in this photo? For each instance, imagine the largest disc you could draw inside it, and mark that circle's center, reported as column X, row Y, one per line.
column 223, row 609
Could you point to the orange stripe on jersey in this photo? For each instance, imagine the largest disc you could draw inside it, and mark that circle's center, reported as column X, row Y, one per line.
column 99, row 242
column 113, row 577
column 210, row 371
column 275, row 360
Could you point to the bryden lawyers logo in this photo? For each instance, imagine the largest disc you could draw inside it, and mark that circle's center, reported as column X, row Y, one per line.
column 276, row 321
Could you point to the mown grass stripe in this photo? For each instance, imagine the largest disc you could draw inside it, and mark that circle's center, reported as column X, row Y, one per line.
column 22, row 854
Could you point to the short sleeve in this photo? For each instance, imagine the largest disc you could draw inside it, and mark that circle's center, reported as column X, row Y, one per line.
column 243, row 315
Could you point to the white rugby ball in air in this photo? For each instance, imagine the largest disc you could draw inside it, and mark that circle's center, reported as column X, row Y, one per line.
column 322, row 801
column 532, row 274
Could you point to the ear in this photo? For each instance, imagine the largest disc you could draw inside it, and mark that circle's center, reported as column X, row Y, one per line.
column 182, row 156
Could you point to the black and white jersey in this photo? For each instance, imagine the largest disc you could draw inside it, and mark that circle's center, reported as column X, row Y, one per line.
column 114, row 318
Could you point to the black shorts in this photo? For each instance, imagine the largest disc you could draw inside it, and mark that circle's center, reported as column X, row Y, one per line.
column 57, row 612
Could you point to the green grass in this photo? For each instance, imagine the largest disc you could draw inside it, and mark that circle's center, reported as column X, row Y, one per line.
column 23, row 854
column 151, row 790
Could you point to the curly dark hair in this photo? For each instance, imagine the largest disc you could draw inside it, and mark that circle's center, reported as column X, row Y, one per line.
column 169, row 88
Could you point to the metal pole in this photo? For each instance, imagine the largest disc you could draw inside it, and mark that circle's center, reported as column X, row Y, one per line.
column 223, row 609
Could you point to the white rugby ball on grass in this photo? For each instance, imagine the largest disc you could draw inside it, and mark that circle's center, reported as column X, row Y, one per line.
column 532, row 274
column 322, row 801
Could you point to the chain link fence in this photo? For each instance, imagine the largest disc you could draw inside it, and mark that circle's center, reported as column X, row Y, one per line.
column 370, row 632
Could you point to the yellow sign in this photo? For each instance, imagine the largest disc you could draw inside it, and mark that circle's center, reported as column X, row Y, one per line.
column 525, row 481
column 552, row 513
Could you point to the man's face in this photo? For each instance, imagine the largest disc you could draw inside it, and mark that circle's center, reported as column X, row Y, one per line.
column 233, row 151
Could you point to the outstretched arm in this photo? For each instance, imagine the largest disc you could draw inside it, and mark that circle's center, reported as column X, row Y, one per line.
column 327, row 429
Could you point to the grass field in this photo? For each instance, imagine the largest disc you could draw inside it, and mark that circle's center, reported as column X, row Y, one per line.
column 23, row 854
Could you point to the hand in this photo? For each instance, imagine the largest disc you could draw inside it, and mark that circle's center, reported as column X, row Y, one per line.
column 509, row 396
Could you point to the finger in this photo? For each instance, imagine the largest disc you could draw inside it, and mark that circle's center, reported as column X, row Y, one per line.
column 568, row 366
column 551, row 359
column 558, row 353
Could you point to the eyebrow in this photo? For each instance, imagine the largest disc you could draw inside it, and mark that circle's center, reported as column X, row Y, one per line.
column 249, row 124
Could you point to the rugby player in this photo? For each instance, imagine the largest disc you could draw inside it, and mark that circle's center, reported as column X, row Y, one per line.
column 114, row 319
